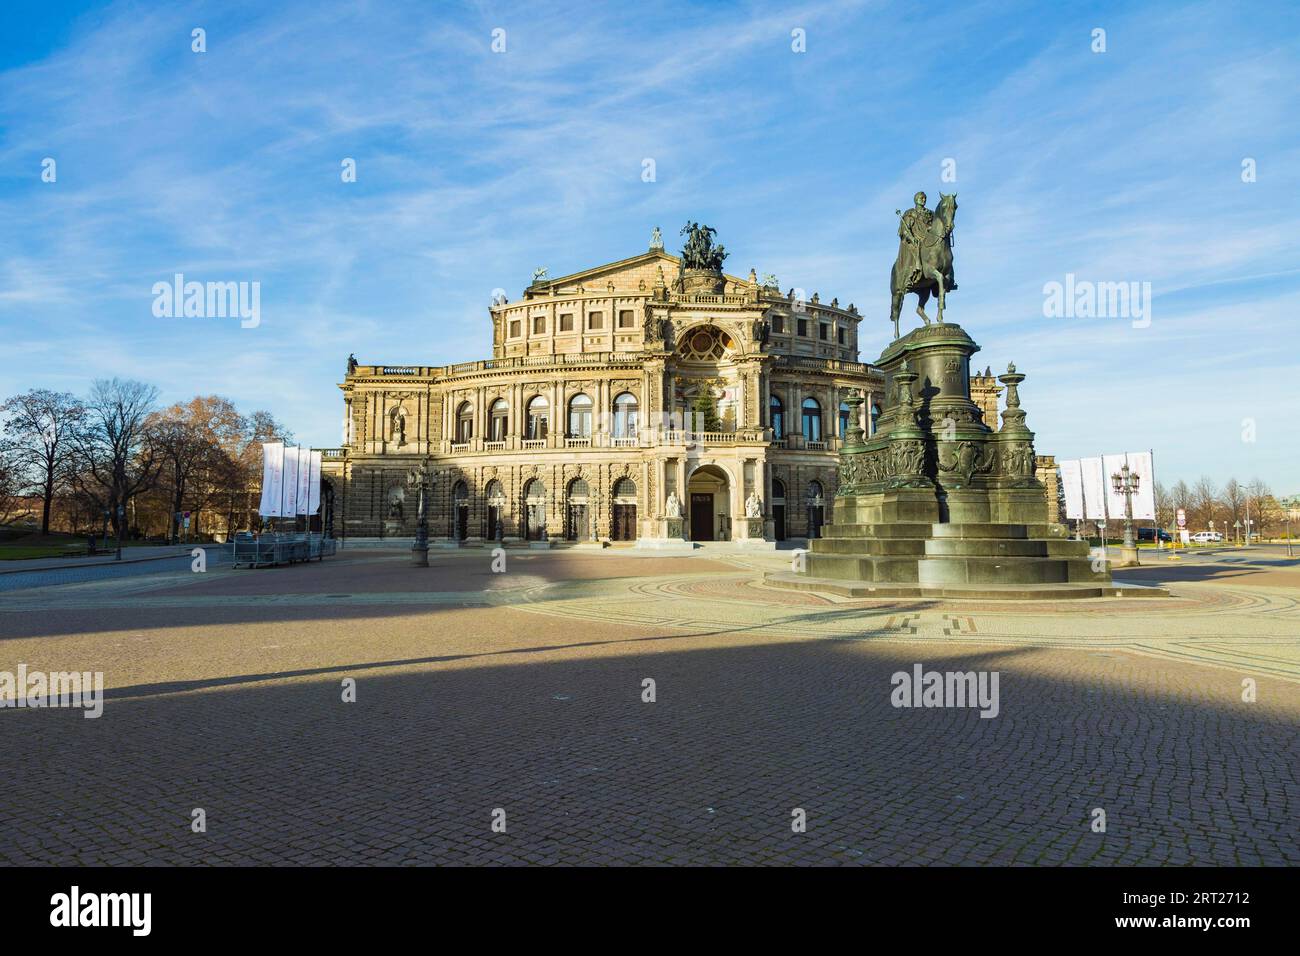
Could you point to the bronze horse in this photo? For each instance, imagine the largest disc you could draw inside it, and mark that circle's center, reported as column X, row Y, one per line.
column 935, row 257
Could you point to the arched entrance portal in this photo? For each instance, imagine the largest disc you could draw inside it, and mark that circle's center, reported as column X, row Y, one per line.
column 534, row 509
column 460, row 496
column 577, row 524
column 624, row 522
column 709, row 494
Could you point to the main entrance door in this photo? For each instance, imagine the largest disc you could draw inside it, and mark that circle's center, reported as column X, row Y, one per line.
column 701, row 517
column 709, row 487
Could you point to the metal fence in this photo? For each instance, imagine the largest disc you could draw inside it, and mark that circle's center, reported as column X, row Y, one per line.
column 263, row 550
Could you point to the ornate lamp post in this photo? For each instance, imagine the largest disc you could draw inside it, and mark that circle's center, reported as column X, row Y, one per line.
column 418, row 478
column 1125, row 482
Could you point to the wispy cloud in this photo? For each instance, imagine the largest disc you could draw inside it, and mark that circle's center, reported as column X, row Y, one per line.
column 474, row 167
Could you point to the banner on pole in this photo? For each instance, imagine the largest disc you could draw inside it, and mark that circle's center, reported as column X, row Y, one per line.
column 1094, row 488
column 1072, row 485
column 313, row 499
column 289, row 505
column 1144, row 502
column 272, row 479
column 304, row 480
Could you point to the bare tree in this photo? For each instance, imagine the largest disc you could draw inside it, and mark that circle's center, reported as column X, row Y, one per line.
column 11, row 480
column 1234, row 501
column 1204, row 499
column 115, row 455
column 42, row 426
column 1257, row 495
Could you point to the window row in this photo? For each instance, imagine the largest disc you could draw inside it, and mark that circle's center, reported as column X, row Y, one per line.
column 595, row 323
column 537, row 418
column 811, row 418
column 801, row 328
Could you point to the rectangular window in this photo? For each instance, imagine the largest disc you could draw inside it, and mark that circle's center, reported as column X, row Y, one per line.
column 839, row 335
column 823, row 331
column 566, row 322
column 778, row 324
column 514, row 329
column 625, row 319
column 803, row 326
column 595, row 321
column 539, row 324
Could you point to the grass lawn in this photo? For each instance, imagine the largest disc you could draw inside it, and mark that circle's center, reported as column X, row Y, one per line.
column 14, row 552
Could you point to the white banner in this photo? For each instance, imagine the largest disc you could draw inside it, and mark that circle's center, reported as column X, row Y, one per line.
column 1072, row 485
column 1112, row 464
column 1144, row 502
column 1094, row 488
column 304, row 480
column 289, row 506
column 313, row 499
column 272, row 478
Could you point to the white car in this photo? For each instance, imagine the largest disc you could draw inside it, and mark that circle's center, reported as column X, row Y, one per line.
column 1207, row 537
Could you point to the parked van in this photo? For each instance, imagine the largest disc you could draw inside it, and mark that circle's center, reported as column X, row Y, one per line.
column 1207, row 537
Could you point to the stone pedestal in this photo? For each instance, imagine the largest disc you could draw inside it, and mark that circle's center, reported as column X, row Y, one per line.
column 937, row 503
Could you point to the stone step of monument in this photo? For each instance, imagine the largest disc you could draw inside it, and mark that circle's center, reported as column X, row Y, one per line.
column 955, row 547
column 868, row 546
column 945, row 570
column 1024, row 592
column 891, row 530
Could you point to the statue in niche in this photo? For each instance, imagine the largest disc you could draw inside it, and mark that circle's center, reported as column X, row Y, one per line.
column 753, row 506
column 673, row 507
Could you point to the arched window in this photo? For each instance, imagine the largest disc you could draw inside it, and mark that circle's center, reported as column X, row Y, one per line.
column 495, row 494
column 580, row 416
column 464, row 423
column 814, row 489
column 625, row 415
column 460, row 493
column 534, row 490
column 499, row 426
column 578, row 490
column 844, row 419
column 778, row 489
column 539, row 416
column 625, row 489
column 875, row 417
column 776, row 417
column 812, row 420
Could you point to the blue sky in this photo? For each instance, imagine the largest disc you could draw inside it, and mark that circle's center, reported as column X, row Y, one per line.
column 473, row 167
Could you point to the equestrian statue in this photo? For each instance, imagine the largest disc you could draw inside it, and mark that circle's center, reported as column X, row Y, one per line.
column 924, row 263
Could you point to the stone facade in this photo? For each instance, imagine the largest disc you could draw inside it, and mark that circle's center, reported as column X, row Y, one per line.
column 608, row 391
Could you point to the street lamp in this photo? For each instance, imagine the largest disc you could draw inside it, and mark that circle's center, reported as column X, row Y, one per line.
column 1292, row 506
column 1125, row 482
column 418, row 478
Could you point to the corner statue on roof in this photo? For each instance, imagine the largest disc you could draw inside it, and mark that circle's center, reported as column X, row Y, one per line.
column 924, row 263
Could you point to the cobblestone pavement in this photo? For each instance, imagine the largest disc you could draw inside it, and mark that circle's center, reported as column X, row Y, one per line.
column 523, row 692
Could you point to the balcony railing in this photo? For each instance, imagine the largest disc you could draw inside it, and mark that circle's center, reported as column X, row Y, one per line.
column 494, row 446
column 534, row 443
column 577, row 443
